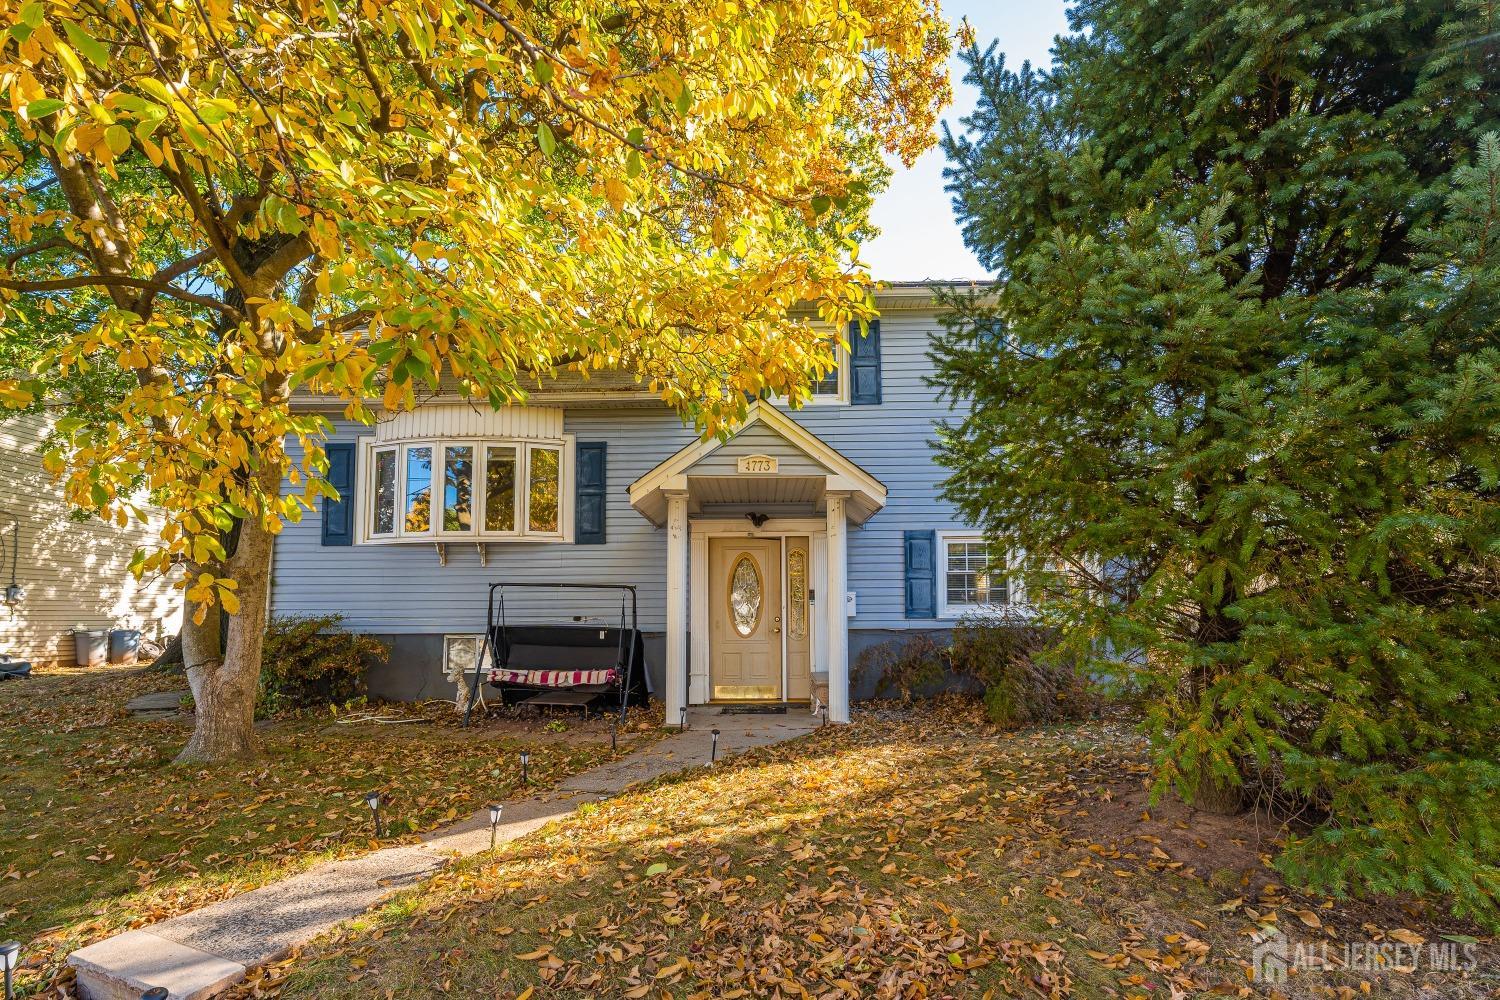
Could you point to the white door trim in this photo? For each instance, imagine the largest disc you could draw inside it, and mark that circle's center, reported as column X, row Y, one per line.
column 699, row 532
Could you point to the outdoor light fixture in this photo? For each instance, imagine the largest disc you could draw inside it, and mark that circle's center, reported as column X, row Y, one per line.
column 9, row 951
column 825, row 715
column 525, row 767
column 372, row 799
column 614, row 735
column 683, row 723
column 13, row 592
column 495, row 811
column 713, row 750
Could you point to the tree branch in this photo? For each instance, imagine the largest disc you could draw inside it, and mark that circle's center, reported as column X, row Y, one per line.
column 169, row 274
column 339, row 324
column 174, row 271
column 382, row 122
column 280, row 263
column 48, row 243
column 121, row 281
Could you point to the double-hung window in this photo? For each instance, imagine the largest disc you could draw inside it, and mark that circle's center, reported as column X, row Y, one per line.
column 483, row 489
column 971, row 577
column 833, row 387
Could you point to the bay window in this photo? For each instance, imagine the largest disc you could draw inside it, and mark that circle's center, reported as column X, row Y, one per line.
column 417, row 512
column 500, row 488
column 469, row 490
column 458, row 487
column 384, row 506
column 543, row 489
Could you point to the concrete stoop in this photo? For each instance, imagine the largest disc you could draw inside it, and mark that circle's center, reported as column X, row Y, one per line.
column 202, row 953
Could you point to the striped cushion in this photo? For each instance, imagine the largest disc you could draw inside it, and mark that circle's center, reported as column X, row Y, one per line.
column 553, row 678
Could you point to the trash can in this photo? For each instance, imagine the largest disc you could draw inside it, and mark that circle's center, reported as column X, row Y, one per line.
column 91, row 646
column 124, row 643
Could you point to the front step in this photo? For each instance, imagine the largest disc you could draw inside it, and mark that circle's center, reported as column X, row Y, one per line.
column 127, row 965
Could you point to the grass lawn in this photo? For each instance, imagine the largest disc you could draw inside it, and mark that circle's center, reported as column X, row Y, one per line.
column 100, row 832
column 920, row 855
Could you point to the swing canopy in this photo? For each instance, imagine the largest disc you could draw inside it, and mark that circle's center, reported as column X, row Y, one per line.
column 577, row 664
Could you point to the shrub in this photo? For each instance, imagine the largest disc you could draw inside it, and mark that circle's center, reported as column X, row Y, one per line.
column 1005, row 654
column 308, row 662
column 901, row 666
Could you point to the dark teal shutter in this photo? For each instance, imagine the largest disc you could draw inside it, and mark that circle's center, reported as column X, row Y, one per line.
column 921, row 574
column 864, row 364
column 338, row 515
column 588, row 505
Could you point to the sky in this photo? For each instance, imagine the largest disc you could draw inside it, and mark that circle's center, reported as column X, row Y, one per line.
column 919, row 238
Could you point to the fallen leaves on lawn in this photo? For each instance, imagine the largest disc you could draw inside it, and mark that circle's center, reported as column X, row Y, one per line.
column 914, row 856
column 117, row 837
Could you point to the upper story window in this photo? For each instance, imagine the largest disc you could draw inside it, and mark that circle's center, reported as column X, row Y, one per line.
column 834, row 386
column 971, row 579
column 483, row 489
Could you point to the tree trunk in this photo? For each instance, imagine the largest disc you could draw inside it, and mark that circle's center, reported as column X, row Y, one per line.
column 1214, row 795
column 171, row 657
column 224, row 684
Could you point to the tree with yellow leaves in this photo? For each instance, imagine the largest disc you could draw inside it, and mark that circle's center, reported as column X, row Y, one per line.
column 228, row 201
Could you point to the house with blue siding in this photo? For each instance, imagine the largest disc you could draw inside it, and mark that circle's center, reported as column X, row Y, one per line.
column 763, row 564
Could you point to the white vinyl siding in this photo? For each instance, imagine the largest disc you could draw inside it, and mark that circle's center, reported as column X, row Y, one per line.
column 73, row 572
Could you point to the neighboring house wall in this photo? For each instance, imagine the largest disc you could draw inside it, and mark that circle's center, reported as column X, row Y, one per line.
column 73, row 571
column 402, row 590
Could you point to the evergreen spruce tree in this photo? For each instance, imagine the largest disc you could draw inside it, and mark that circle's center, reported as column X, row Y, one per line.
column 1236, row 400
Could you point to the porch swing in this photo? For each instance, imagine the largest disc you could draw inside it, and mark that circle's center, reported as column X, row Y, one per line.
column 563, row 665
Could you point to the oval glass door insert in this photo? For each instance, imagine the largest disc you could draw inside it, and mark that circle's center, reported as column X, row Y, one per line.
column 744, row 595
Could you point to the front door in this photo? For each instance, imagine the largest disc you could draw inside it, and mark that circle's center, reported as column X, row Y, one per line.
column 744, row 601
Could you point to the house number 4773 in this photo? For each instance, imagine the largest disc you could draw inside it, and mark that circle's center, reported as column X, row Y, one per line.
column 757, row 463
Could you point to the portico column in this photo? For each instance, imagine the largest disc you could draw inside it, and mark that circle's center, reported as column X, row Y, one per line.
column 677, row 604
column 837, row 620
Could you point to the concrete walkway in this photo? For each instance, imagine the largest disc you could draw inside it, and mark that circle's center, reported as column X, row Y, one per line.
column 202, row 953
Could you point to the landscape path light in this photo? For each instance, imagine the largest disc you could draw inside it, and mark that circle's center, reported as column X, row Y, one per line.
column 713, row 750
column 9, row 952
column 525, row 767
column 372, row 799
column 495, row 811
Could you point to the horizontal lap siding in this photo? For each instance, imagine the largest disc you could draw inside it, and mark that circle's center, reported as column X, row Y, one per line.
column 74, row 572
column 402, row 588
column 758, row 440
column 891, row 441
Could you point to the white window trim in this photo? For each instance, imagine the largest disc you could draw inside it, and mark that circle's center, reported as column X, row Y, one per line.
column 478, row 637
column 840, row 398
column 365, row 489
column 951, row 611
column 482, row 500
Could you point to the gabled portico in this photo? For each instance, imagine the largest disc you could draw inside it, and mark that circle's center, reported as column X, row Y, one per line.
column 757, row 529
